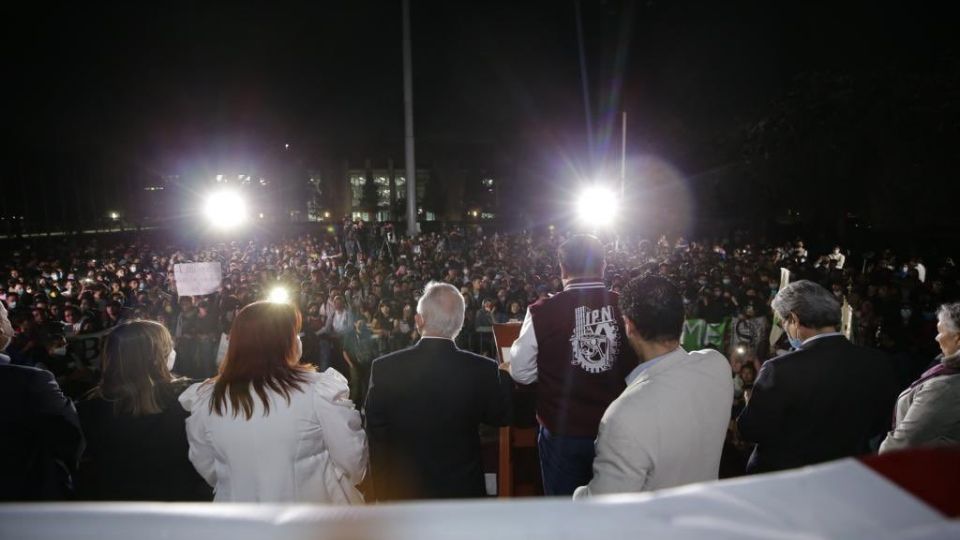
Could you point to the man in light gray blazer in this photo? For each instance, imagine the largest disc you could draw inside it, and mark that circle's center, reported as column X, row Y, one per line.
column 667, row 428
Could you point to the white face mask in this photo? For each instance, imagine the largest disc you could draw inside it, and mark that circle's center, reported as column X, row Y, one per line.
column 60, row 351
column 298, row 348
column 171, row 359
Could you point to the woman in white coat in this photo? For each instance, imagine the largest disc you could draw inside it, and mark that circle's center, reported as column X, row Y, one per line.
column 268, row 429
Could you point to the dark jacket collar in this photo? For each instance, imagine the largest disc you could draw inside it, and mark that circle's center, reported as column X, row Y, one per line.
column 829, row 340
column 436, row 343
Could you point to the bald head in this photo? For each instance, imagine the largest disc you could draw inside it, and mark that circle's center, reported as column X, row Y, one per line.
column 440, row 311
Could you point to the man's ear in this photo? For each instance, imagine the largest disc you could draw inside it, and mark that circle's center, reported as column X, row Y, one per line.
column 629, row 327
column 418, row 320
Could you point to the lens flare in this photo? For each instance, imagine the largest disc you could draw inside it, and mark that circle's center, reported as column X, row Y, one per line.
column 279, row 295
column 597, row 206
column 225, row 209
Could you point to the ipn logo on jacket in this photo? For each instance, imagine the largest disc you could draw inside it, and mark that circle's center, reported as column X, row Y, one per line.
column 594, row 339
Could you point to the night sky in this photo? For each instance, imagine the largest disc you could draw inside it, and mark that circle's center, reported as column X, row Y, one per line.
column 102, row 93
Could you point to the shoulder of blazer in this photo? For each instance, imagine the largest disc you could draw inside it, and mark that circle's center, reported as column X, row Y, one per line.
column 786, row 359
column 942, row 384
column 32, row 372
column 477, row 359
column 391, row 358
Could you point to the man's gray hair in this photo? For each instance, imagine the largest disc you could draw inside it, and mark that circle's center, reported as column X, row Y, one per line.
column 949, row 315
column 813, row 305
column 442, row 307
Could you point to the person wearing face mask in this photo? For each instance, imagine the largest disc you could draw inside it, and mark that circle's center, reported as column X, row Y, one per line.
column 13, row 299
column 928, row 412
column 41, row 435
column 825, row 400
column 268, row 428
column 136, row 440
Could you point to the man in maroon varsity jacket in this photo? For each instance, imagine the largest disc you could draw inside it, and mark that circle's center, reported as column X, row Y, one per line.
column 573, row 345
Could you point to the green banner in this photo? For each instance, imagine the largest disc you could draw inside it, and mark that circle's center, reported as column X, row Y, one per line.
column 699, row 334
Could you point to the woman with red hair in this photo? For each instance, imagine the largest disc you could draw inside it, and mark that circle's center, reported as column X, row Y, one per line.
column 269, row 429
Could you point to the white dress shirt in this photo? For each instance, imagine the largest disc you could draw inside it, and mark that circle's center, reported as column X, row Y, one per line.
column 523, row 353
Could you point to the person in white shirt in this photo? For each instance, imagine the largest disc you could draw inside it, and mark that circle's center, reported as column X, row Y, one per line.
column 268, row 429
column 340, row 320
column 838, row 258
column 667, row 428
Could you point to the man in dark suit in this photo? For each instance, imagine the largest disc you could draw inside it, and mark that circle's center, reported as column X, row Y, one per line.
column 828, row 399
column 42, row 441
column 425, row 405
column 42, row 437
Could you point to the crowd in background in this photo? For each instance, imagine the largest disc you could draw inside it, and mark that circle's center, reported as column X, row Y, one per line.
column 357, row 291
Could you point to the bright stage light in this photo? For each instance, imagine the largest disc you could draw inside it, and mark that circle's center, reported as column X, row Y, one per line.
column 225, row 209
column 741, row 350
column 597, row 206
column 279, row 295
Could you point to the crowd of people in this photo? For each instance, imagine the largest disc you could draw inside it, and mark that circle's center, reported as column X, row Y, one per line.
column 104, row 324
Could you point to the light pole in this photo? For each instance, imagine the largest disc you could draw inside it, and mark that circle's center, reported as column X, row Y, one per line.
column 408, row 121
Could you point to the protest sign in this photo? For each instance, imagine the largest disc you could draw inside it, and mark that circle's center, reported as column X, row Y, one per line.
column 784, row 278
column 846, row 319
column 698, row 333
column 197, row 278
column 87, row 348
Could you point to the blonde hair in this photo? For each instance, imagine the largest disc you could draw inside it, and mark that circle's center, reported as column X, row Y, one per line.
column 134, row 367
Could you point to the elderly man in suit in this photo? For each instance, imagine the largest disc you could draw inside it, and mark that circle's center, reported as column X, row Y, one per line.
column 825, row 400
column 425, row 406
column 667, row 428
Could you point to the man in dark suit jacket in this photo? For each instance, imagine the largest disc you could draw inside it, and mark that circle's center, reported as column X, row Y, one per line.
column 42, row 441
column 826, row 400
column 425, row 405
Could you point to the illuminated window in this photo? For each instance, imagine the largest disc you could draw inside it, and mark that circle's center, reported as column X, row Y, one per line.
column 356, row 189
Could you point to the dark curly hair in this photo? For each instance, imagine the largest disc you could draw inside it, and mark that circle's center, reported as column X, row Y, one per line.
column 654, row 306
